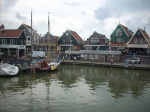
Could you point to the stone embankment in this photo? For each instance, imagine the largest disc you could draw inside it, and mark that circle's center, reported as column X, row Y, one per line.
column 108, row 64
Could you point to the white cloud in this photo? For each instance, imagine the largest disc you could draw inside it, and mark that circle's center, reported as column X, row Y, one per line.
column 82, row 16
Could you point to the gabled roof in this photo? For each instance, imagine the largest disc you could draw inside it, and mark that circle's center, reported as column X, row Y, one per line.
column 145, row 35
column 34, row 32
column 97, row 35
column 27, row 26
column 75, row 35
column 56, row 37
column 10, row 33
column 127, row 31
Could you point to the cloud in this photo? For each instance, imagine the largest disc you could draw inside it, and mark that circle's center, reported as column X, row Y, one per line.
column 20, row 17
column 82, row 16
column 103, row 13
column 7, row 4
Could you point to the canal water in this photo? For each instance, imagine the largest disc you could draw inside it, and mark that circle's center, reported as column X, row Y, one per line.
column 76, row 88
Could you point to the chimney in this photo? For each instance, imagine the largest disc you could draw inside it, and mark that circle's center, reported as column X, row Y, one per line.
column 2, row 27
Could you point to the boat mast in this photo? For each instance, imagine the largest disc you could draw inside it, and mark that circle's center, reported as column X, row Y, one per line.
column 48, row 57
column 31, row 37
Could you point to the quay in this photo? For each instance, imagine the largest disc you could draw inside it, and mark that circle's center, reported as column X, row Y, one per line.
column 109, row 64
column 95, row 64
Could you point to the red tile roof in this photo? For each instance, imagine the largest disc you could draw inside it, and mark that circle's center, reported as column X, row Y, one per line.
column 56, row 37
column 145, row 35
column 12, row 33
column 126, row 30
column 75, row 35
column 117, row 44
column 27, row 26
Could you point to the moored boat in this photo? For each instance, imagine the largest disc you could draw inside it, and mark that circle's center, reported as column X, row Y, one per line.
column 48, row 66
column 7, row 69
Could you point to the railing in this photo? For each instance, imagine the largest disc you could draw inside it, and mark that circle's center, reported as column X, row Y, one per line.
column 92, row 52
column 71, row 52
column 13, row 46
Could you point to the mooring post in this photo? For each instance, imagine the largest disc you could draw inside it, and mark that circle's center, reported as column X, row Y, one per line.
column 132, row 64
column 111, row 63
column 92, row 61
column 63, row 58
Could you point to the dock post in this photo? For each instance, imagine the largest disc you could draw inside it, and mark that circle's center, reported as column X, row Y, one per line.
column 111, row 63
column 132, row 64
column 63, row 58
column 92, row 61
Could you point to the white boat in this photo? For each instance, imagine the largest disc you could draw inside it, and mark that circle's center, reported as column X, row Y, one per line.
column 54, row 65
column 7, row 69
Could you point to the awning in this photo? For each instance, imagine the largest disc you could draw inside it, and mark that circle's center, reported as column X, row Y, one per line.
column 137, row 46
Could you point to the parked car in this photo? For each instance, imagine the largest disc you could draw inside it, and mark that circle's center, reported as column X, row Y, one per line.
column 134, row 60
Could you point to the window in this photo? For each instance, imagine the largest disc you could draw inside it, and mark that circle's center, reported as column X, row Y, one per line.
column 142, row 40
column 94, row 40
column 118, row 32
column 90, row 56
column 119, row 40
column 96, row 56
column 135, row 40
column 28, row 38
column 4, row 41
column 11, row 41
column 85, row 56
column 67, row 34
column 21, row 42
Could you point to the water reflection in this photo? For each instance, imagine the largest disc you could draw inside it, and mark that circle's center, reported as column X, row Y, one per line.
column 71, row 85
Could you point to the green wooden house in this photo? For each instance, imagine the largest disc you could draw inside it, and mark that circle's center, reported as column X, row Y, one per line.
column 28, row 31
column 70, row 40
column 119, row 37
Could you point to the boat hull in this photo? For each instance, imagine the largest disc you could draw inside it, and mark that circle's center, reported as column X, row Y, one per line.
column 7, row 69
column 54, row 65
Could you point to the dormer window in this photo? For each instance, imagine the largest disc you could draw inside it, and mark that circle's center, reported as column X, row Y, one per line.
column 67, row 34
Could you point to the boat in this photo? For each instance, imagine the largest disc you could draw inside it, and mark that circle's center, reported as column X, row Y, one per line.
column 7, row 69
column 54, row 65
column 48, row 65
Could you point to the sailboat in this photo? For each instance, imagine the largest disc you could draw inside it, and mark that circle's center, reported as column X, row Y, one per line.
column 7, row 69
column 49, row 65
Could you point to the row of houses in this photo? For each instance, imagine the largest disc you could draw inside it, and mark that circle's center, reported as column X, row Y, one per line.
column 20, row 42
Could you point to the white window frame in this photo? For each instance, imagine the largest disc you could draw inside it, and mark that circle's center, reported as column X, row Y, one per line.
column 96, row 56
column 4, row 41
column 90, row 56
column 85, row 56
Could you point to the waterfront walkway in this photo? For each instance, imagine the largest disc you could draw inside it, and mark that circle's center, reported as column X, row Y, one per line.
column 98, row 64
column 108, row 64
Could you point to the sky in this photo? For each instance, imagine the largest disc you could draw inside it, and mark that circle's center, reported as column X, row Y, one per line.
column 82, row 16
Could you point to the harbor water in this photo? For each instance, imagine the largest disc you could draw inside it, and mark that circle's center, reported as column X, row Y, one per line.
column 77, row 88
